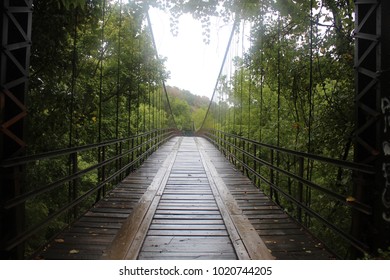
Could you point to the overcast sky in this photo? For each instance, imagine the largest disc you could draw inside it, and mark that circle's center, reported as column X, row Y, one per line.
column 194, row 66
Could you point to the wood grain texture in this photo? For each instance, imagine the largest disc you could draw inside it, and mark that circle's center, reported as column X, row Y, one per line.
column 249, row 244
column 91, row 236
column 284, row 238
column 128, row 241
column 187, row 223
column 185, row 202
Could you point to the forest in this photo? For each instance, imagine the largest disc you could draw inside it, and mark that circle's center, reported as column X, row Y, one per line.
column 293, row 87
column 95, row 77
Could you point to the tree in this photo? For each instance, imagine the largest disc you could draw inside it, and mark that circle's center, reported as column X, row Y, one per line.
column 94, row 78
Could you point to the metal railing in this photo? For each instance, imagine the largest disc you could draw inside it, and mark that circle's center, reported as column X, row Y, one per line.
column 312, row 200
column 112, row 161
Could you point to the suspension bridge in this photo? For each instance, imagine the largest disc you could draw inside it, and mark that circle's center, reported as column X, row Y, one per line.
column 153, row 193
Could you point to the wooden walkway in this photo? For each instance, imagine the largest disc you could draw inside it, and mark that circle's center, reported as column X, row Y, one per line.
column 186, row 202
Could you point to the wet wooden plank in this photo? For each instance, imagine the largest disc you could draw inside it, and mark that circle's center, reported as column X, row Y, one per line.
column 198, row 226
column 249, row 244
column 187, row 212
column 187, row 256
column 128, row 241
column 86, row 223
column 169, row 207
column 189, row 196
column 223, row 247
column 187, row 232
column 93, row 233
column 187, row 223
column 189, row 217
column 284, row 238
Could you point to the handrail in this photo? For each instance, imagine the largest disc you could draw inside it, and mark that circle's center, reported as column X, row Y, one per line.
column 341, row 163
column 349, row 238
column 243, row 157
column 156, row 139
column 354, row 204
column 61, row 152
column 25, row 196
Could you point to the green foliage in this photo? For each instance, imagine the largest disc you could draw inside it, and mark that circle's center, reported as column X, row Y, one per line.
column 189, row 109
column 93, row 78
column 381, row 254
column 99, row 81
column 69, row 4
column 294, row 88
column 182, row 113
column 36, row 212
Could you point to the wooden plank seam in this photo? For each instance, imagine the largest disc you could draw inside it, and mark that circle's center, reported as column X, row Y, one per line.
column 247, row 243
column 128, row 241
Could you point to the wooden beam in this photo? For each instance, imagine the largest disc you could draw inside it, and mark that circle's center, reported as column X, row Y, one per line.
column 128, row 241
column 246, row 240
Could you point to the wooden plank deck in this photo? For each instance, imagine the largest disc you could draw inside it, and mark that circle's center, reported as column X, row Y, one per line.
column 284, row 238
column 186, row 202
column 187, row 223
column 90, row 236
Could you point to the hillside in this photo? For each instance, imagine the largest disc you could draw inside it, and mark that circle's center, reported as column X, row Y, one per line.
column 189, row 109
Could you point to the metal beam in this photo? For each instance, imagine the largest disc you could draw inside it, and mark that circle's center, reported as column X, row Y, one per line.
column 372, row 137
column 16, row 22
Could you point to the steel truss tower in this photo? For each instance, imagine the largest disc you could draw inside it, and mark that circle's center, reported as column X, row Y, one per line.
column 15, row 26
column 372, row 136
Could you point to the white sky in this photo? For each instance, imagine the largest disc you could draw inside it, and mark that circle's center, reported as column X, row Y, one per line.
column 193, row 65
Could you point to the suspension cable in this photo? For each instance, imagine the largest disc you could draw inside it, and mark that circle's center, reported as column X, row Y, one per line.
column 311, row 105
column 242, row 79
column 261, row 72
column 235, row 80
column 236, row 21
column 157, row 57
column 279, row 82
column 101, row 156
column 118, row 80
column 101, row 71
column 138, row 90
column 118, row 146
column 310, row 78
column 73, row 79
column 250, row 87
column 72, row 185
column 130, row 90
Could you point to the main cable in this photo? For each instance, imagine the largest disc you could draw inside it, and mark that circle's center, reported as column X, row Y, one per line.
column 157, row 57
column 220, row 71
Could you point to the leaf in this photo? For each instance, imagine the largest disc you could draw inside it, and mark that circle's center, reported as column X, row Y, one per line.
column 74, row 251
column 59, row 240
column 350, row 199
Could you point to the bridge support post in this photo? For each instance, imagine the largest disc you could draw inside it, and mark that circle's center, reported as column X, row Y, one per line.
column 372, row 137
column 15, row 26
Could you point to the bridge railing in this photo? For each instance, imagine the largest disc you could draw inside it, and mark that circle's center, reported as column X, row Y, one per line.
column 312, row 189
column 61, row 185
